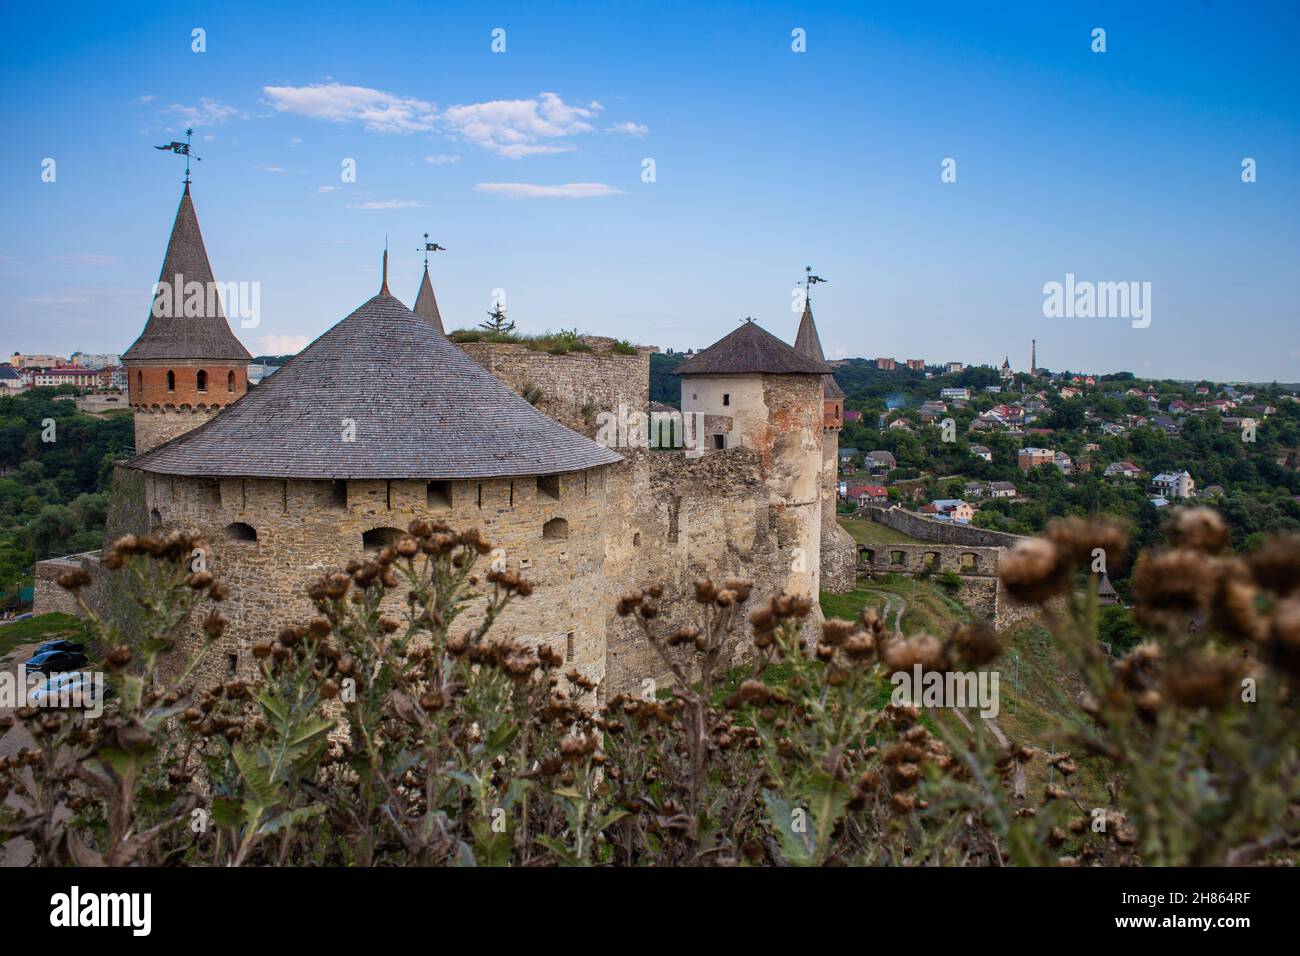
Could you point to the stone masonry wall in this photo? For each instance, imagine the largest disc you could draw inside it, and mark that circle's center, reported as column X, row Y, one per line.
column 674, row 519
column 916, row 526
column 306, row 528
column 576, row 386
column 153, row 426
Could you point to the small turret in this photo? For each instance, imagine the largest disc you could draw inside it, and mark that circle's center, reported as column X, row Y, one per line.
column 187, row 364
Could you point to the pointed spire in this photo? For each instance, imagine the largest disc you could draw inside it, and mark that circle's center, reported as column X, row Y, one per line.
column 426, row 306
column 808, row 343
column 383, row 289
column 186, row 320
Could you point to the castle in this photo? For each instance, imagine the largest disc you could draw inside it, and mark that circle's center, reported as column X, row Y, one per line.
column 383, row 419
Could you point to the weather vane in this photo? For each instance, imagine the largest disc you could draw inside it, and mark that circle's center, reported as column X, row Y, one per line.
column 431, row 247
column 183, row 149
column 809, row 282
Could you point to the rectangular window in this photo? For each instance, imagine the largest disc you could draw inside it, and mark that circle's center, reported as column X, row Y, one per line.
column 726, row 398
column 548, row 486
column 568, row 646
column 438, row 494
column 720, row 442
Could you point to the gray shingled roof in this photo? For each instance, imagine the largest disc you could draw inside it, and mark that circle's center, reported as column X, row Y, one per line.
column 426, row 306
column 808, row 342
column 422, row 409
column 179, row 337
column 750, row 349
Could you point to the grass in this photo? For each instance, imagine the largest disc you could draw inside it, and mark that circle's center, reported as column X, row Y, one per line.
column 557, row 343
column 44, row 627
column 872, row 532
column 1031, row 708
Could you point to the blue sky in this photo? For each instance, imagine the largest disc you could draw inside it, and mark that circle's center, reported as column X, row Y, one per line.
column 1115, row 166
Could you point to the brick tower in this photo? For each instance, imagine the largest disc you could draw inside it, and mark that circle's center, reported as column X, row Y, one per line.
column 186, row 365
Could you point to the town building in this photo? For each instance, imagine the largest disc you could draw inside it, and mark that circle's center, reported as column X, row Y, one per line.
column 1172, row 485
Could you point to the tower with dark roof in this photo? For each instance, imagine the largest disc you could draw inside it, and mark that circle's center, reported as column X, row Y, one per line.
column 755, row 393
column 380, row 421
column 186, row 365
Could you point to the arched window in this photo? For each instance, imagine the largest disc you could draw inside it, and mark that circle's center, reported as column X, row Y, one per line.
column 555, row 529
column 171, row 381
column 377, row 538
column 230, row 381
column 239, row 531
column 155, row 519
column 203, row 380
column 139, row 384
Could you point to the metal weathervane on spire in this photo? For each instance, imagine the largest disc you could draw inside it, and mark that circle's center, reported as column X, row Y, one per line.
column 183, row 149
column 810, row 281
column 431, row 247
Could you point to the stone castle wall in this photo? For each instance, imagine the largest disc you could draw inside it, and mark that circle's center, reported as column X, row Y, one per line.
column 945, row 532
column 304, row 529
column 659, row 517
column 676, row 518
column 839, row 553
column 574, row 387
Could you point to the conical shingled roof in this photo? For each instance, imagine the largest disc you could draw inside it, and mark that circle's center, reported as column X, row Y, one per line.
column 808, row 342
column 181, row 337
column 748, row 350
column 422, row 408
column 426, row 306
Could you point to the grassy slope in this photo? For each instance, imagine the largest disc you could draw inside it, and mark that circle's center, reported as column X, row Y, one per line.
column 1029, row 712
column 43, row 627
column 871, row 532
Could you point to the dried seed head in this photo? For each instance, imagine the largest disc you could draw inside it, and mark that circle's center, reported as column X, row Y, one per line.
column 1034, row 571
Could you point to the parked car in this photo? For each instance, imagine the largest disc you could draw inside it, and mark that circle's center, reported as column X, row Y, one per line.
column 56, row 660
column 61, row 646
column 66, row 686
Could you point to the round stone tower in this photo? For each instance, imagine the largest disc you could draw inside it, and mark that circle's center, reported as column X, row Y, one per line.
column 379, row 421
column 186, row 365
column 754, row 391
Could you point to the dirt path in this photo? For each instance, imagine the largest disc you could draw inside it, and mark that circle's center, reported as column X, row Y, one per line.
column 893, row 603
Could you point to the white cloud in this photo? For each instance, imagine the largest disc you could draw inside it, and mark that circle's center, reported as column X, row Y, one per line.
column 295, row 140
column 147, row 98
column 388, row 204
column 442, row 159
column 328, row 189
column 631, row 129
column 534, row 191
column 85, row 259
column 378, row 111
column 209, row 112
column 517, row 128
column 284, row 344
